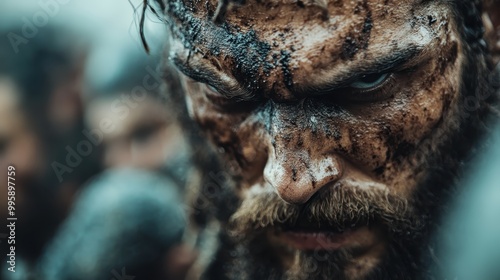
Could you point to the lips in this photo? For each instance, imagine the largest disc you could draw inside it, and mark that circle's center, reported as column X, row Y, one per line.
column 329, row 238
column 321, row 240
column 305, row 234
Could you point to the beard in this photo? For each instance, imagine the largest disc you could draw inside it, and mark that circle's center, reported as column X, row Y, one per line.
column 339, row 209
column 253, row 260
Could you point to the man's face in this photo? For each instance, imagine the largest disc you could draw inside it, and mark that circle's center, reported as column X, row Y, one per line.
column 144, row 138
column 326, row 120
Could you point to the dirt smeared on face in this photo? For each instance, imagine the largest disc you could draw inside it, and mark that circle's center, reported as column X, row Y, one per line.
column 223, row 45
column 274, row 87
column 353, row 43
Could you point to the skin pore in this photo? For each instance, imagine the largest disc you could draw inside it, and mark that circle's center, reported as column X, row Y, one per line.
column 330, row 120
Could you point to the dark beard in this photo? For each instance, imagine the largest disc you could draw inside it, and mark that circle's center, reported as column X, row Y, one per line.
column 246, row 253
column 252, row 256
column 253, row 261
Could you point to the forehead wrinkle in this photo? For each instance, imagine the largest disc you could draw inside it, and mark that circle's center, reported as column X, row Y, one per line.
column 321, row 7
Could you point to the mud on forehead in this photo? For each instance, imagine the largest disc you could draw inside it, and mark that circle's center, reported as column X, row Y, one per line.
column 277, row 44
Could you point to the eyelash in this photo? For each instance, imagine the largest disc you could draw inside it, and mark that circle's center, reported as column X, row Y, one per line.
column 342, row 95
column 380, row 92
column 229, row 103
column 348, row 95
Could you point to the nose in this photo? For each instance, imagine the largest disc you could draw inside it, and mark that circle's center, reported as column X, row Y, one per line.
column 298, row 175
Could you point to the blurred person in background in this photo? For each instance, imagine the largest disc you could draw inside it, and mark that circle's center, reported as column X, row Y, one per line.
column 41, row 120
column 132, row 215
column 134, row 122
column 127, row 224
column 43, row 135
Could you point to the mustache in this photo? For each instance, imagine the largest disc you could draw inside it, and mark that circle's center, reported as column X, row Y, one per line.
column 338, row 208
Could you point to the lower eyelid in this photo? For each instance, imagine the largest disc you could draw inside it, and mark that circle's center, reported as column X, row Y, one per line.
column 384, row 83
column 381, row 92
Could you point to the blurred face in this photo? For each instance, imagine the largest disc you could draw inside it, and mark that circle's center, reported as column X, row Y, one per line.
column 326, row 119
column 19, row 146
column 141, row 134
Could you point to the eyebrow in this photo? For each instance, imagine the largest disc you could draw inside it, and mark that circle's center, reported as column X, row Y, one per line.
column 200, row 74
column 206, row 75
column 393, row 61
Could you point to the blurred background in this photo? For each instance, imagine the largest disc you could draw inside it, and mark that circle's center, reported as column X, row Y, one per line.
column 100, row 159
column 101, row 163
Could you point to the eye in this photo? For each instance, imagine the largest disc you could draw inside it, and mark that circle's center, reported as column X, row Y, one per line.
column 370, row 81
column 214, row 95
column 237, row 102
column 367, row 88
column 212, row 88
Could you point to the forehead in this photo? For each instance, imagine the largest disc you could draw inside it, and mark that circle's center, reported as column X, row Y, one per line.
column 278, row 45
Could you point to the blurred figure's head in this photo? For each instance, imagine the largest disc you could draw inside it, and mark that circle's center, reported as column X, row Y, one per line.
column 40, row 85
column 126, row 223
column 138, row 128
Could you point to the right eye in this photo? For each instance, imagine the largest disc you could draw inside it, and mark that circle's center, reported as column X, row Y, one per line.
column 215, row 96
column 230, row 102
column 213, row 89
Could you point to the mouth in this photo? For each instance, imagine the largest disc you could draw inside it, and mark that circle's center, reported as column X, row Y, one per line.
column 343, row 218
column 319, row 240
column 307, row 237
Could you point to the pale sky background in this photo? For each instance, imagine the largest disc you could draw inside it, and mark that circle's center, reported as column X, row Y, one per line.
column 110, row 27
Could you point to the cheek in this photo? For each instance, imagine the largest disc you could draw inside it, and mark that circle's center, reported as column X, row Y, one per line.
column 236, row 136
column 390, row 133
column 216, row 125
column 427, row 105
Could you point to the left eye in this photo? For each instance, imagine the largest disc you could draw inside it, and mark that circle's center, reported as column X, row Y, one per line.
column 371, row 81
column 212, row 88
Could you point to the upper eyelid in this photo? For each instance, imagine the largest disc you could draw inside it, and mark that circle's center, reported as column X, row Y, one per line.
column 206, row 76
column 345, row 83
column 388, row 65
column 397, row 62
